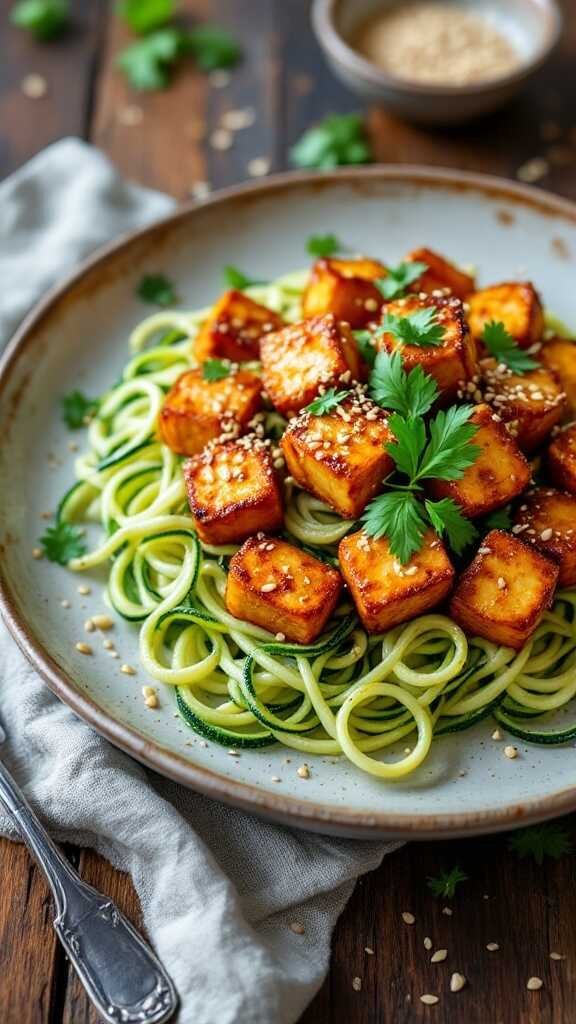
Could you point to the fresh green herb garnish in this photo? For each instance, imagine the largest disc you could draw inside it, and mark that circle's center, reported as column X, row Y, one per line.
column 410, row 394
column 337, row 140
column 366, row 346
column 236, row 278
column 145, row 16
column 418, row 328
column 215, row 369
column 446, row 883
column 499, row 520
column 447, row 519
column 212, row 47
column 540, row 841
column 394, row 285
column 397, row 515
column 323, row 245
column 505, row 350
column 45, row 19
column 157, row 290
column 327, row 402
column 148, row 62
column 77, row 409
column 62, row 542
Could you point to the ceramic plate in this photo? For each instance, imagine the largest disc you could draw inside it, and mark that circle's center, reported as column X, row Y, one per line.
column 77, row 339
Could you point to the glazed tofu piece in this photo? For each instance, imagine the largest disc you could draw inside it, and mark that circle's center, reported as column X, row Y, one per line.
column 346, row 289
column 516, row 304
column 561, row 459
column 340, row 457
column 234, row 328
column 505, row 590
column 453, row 361
column 530, row 403
column 233, row 491
column 547, row 520
column 441, row 274
column 384, row 591
column 500, row 472
column 304, row 357
column 282, row 588
column 559, row 355
column 197, row 411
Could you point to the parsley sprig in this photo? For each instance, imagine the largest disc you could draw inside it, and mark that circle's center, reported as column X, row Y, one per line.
column 158, row 290
column 77, row 409
column 410, row 394
column 148, row 63
column 323, row 245
column 399, row 278
column 62, row 542
column 215, row 369
column 445, row 884
column 325, row 403
column 337, row 140
column 505, row 349
column 418, row 328
column 45, row 19
column 144, row 16
column 540, row 841
column 236, row 278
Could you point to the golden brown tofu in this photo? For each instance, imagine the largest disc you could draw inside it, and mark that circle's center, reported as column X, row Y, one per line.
column 530, row 403
column 298, row 360
column 344, row 288
column 282, row 588
column 547, row 520
column 505, row 590
column 559, row 355
column 197, row 411
column 340, row 457
column 440, row 274
column 500, row 472
column 561, row 459
column 234, row 328
column 233, row 491
column 451, row 362
column 384, row 591
column 516, row 304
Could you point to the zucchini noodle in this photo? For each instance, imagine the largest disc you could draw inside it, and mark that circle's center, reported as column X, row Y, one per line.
column 349, row 693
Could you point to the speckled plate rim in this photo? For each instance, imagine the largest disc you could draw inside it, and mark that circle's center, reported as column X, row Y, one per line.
column 285, row 809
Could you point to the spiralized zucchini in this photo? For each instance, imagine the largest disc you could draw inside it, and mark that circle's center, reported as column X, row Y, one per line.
column 349, row 694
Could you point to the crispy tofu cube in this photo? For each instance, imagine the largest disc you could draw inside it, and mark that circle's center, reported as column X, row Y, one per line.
column 282, row 588
column 516, row 303
column 340, row 457
column 451, row 362
column 234, row 328
column 233, row 491
column 197, row 411
column 561, row 459
column 440, row 274
column 530, row 403
column 344, row 288
column 384, row 591
column 559, row 355
column 505, row 590
column 500, row 472
column 298, row 360
column 547, row 520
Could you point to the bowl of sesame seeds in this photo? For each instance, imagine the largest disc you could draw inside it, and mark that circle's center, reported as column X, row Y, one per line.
column 437, row 61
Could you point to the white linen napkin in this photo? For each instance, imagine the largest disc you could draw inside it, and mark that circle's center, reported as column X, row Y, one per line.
column 218, row 888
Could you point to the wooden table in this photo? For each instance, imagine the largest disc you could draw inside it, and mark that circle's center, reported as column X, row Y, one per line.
column 528, row 910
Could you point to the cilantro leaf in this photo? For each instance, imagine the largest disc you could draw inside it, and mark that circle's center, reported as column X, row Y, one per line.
column 212, row 47
column 45, row 19
column 444, row 886
column 365, row 341
column 539, row 841
column 77, row 409
column 505, row 349
column 337, row 140
column 323, row 245
column 157, row 290
column 499, row 520
column 410, row 442
column 418, row 328
column 396, row 515
column 327, row 402
column 449, row 452
column 399, row 278
column 236, row 278
column 146, row 15
column 446, row 518
column 410, row 394
column 215, row 369
column 62, row 542
column 147, row 62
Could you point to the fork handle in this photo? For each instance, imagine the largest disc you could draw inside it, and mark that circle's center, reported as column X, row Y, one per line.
column 122, row 976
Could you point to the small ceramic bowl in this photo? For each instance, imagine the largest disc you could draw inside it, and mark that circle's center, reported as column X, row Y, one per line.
column 532, row 26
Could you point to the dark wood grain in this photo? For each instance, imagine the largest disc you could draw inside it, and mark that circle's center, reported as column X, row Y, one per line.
column 529, row 910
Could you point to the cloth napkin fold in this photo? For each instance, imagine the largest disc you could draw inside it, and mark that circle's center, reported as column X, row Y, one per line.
column 218, row 887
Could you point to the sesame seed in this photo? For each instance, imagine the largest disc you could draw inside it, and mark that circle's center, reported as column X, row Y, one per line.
column 408, row 918
column 37, row 553
column 439, row 956
column 533, row 169
column 103, row 622
column 221, row 139
column 34, row 87
column 65, row 603
column 369, row 950
column 89, row 626
column 83, row 648
column 267, row 588
column 492, row 947
column 275, row 778
column 428, row 1000
column 497, row 734
column 501, row 582
column 128, row 670
column 199, row 189
column 84, row 590
column 356, row 984
column 297, row 927
column 280, row 637
column 258, row 167
column 236, row 120
column 427, row 943
column 533, row 984
column 148, row 691
column 233, row 753
column 557, row 956
column 303, row 771
column 511, row 752
column 108, row 645
column 411, row 571
column 151, row 701
column 457, row 982
column 447, row 911
column 546, row 534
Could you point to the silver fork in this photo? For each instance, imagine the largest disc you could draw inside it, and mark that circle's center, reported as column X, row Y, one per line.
column 122, row 976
